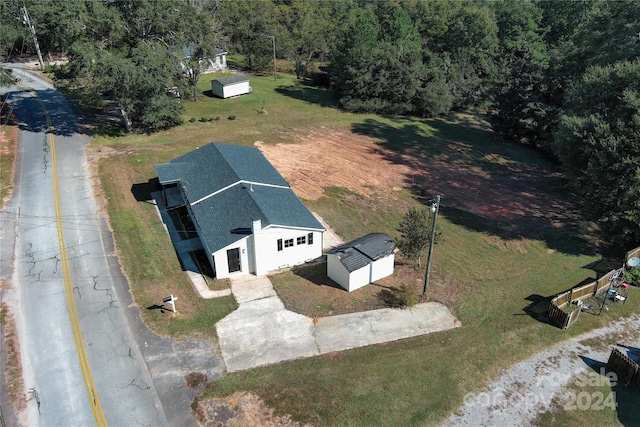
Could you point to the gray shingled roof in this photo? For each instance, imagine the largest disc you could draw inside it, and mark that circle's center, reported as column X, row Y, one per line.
column 215, row 166
column 230, row 186
column 364, row 250
column 231, row 80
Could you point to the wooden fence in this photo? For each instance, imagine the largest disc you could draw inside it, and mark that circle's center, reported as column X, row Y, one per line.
column 633, row 253
column 564, row 320
column 627, row 370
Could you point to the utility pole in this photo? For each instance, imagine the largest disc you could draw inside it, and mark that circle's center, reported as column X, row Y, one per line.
column 275, row 68
column 435, row 207
column 27, row 22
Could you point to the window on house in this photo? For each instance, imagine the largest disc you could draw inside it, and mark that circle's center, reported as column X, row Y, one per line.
column 301, row 240
column 279, row 244
column 288, row 243
column 310, row 238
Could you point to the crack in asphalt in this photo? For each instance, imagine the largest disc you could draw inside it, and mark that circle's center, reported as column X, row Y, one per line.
column 29, row 254
column 45, row 149
column 107, row 292
column 56, row 257
column 144, row 385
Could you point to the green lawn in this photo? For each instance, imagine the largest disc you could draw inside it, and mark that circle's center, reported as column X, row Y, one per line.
column 493, row 270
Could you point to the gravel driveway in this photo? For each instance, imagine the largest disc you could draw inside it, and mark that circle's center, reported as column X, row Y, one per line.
column 528, row 388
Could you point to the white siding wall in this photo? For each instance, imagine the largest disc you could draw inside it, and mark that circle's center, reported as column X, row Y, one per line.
column 236, row 89
column 337, row 272
column 267, row 257
column 359, row 278
column 217, row 88
column 222, row 264
column 382, row 268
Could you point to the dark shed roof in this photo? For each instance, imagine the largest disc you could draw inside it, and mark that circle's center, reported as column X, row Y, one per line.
column 231, row 80
column 364, row 250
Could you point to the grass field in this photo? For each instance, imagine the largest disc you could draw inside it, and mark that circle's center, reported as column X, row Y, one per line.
column 491, row 268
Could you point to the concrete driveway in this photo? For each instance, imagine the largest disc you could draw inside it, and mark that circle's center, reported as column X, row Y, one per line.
column 262, row 331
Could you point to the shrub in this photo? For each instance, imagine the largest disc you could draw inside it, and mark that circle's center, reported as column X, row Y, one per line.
column 217, row 118
column 231, row 117
column 192, row 120
column 406, row 295
column 632, row 276
column 203, row 119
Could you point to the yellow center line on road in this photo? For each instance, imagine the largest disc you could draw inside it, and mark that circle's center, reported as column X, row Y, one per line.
column 68, row 284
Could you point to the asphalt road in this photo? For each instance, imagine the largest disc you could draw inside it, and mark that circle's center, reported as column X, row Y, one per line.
column 119, row 381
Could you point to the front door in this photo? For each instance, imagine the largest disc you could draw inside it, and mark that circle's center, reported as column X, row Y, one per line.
column 233, row 258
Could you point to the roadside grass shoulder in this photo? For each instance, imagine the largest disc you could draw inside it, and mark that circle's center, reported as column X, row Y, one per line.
column 490, row 277
column 150, row 261
column 8, row 139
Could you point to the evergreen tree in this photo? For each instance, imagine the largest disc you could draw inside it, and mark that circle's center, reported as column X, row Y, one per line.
column 519, row 111
column 414, row 233
column 598, row 143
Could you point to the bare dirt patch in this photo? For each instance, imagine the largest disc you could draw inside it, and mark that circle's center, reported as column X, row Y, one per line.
column 239, row 410
column 334, row 158
column 484, row 179
column 13, row 367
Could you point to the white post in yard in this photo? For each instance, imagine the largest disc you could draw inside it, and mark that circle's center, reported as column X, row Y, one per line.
column 171, row 300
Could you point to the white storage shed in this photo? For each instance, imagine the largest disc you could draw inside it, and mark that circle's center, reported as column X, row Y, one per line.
column 227, row 87
column 362, row 261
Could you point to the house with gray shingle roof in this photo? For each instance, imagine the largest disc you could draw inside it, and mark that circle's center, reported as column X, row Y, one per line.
column 246, row 216
column 361, row 261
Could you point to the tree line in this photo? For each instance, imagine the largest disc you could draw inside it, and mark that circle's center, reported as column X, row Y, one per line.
column 561, row 76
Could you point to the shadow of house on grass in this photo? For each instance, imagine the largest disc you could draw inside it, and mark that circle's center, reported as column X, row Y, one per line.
column 385, row 297
column 316, row 274
column 487, row 185
column 182, row 233
column 142, row 191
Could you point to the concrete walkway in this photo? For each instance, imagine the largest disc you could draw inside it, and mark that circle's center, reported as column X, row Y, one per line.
column 262, row 331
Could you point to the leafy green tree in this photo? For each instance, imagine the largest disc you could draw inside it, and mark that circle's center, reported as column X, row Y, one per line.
column 520, row 112
column 12, row 28
column 194, row 49
column 469, row 46
column 304, row 36
column 378, row 61
column 138, row 83
column 598, row 143
column 58, row 24
column 414, row 233
column 134, row 50
column 250, row 25
column 459, row 41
